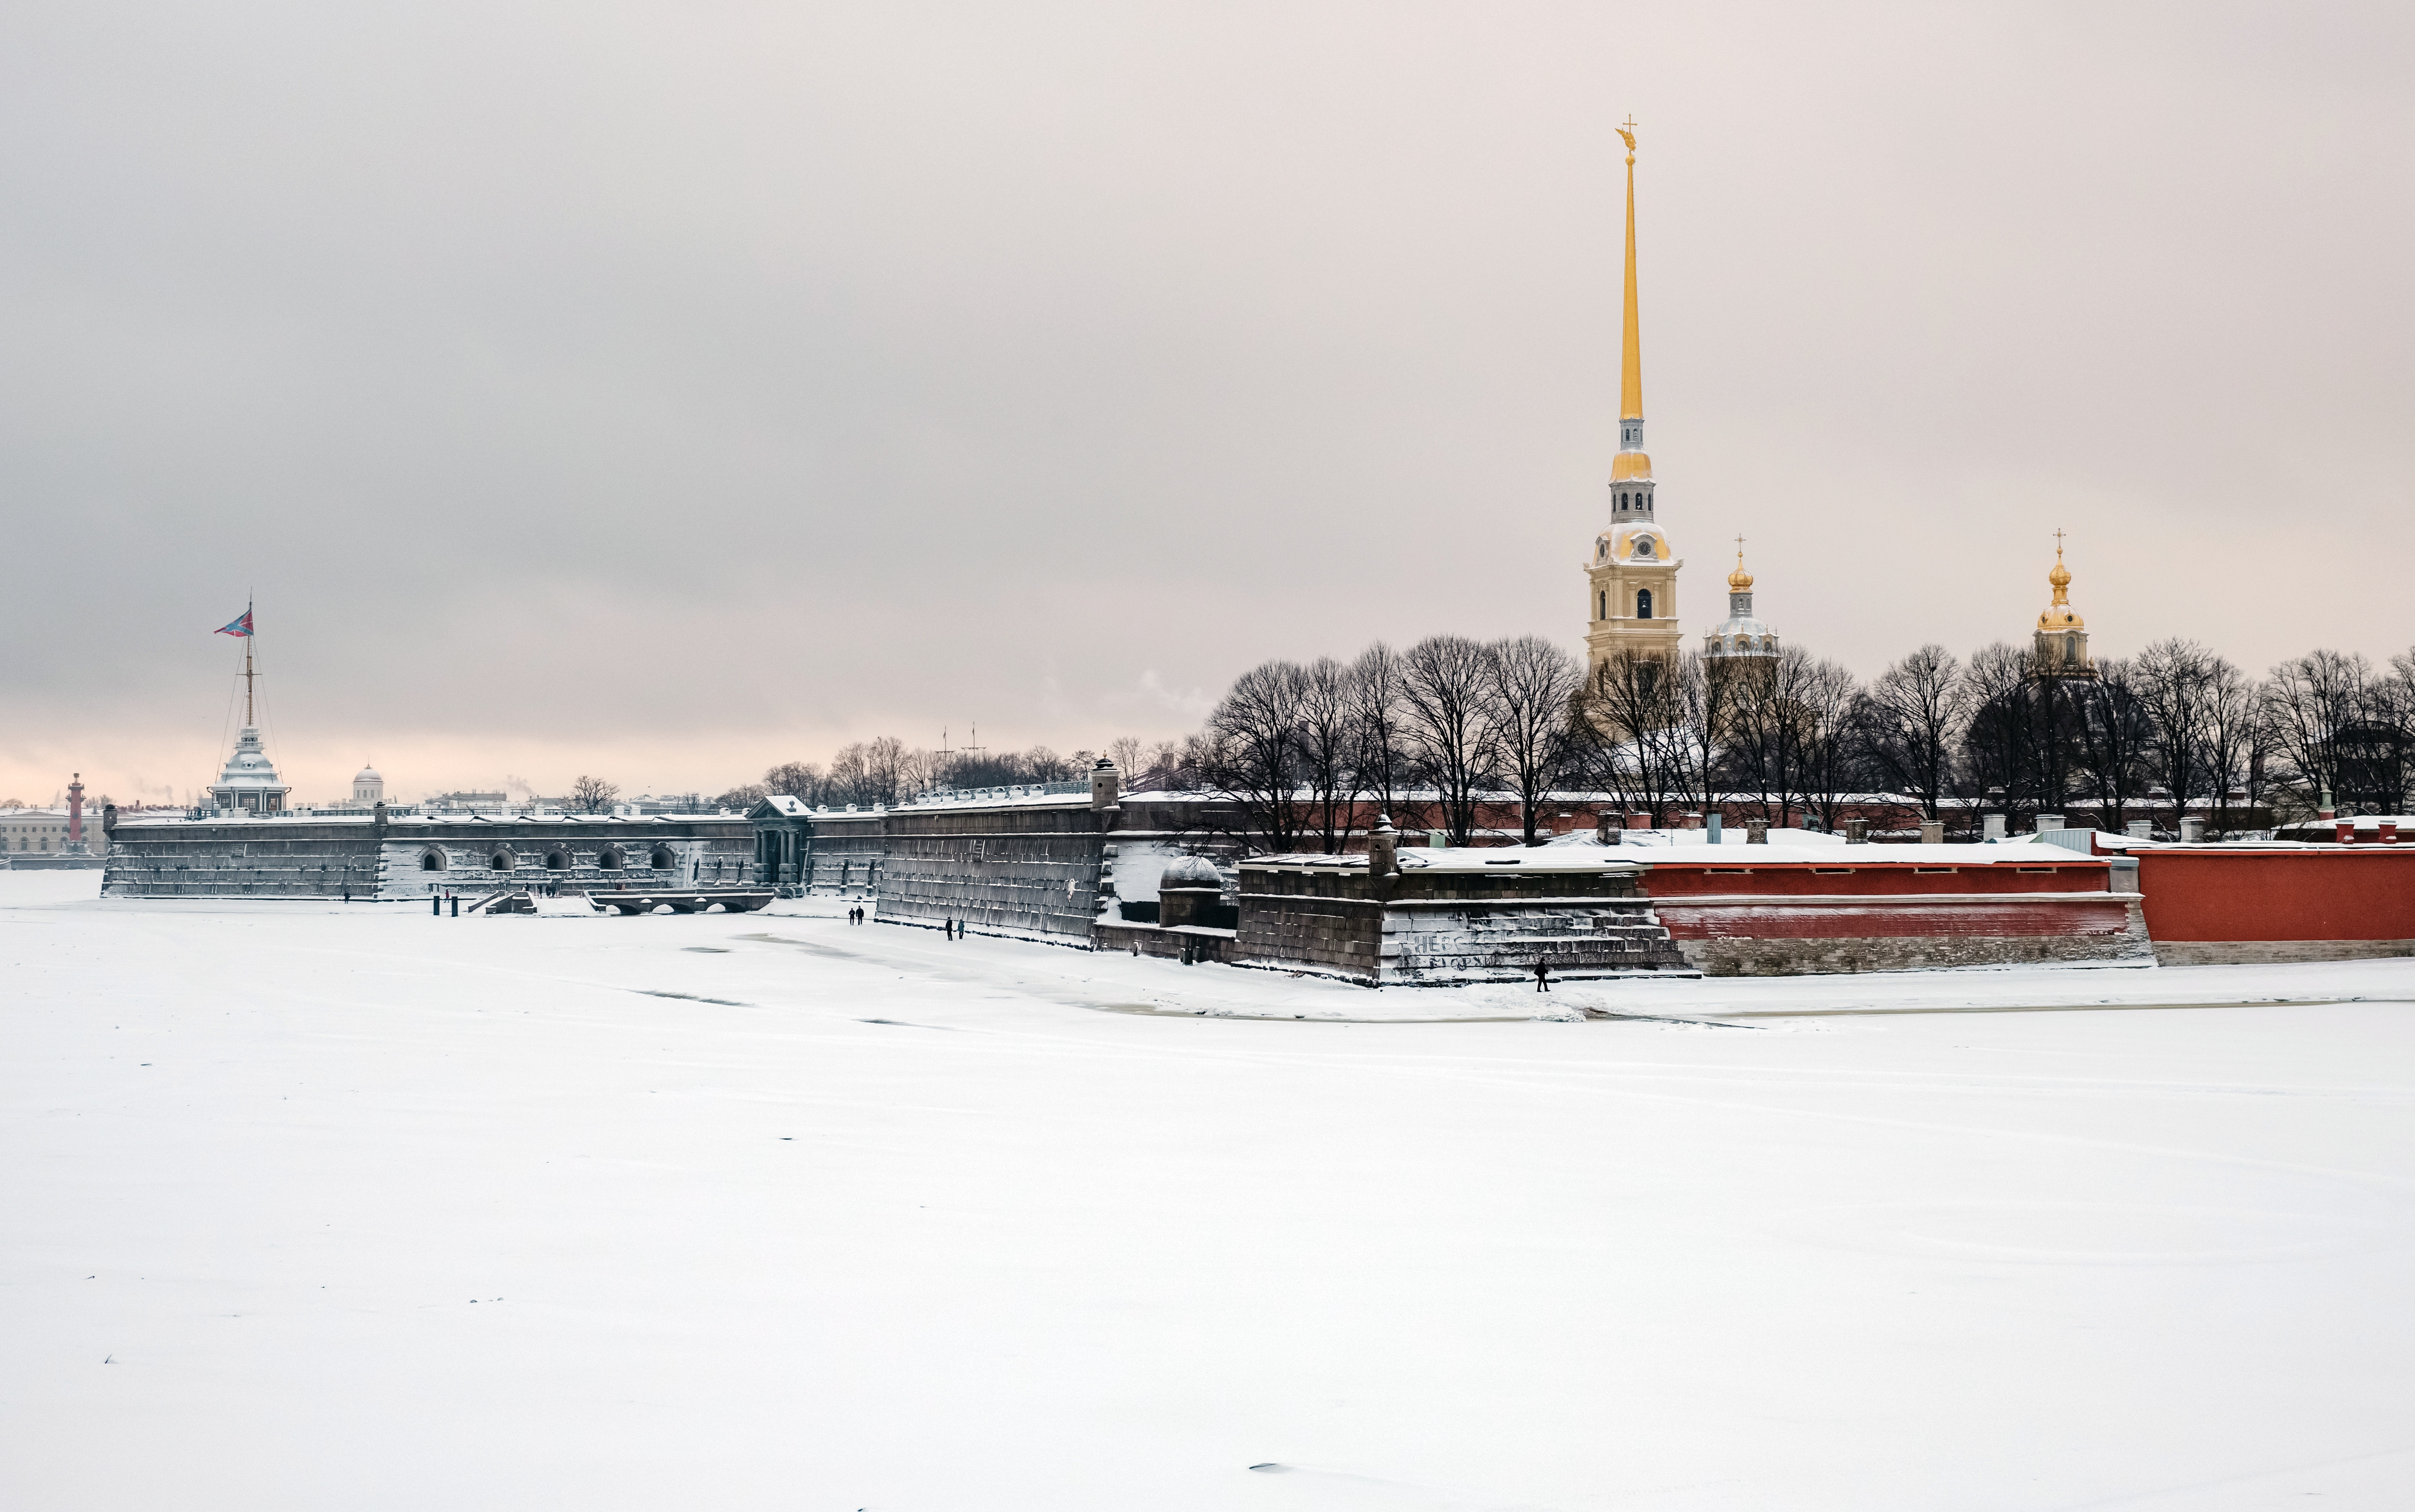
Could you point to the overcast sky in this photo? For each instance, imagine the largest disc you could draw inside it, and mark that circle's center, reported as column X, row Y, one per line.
column 665, row 391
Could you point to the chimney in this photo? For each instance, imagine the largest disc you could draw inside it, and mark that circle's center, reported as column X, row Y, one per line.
column 2344, row 832
column 1858, row 831
column 1932, row 832
column 1756, row 831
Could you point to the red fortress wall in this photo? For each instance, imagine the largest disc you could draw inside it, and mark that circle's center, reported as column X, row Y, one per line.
column 2217, row 905
column 1846, row 913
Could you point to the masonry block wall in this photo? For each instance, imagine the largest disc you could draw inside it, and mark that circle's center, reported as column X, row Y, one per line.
column 243, row 858
column 844, row 857
column 410, row 858
column 1025, row 868
column 1435, row 924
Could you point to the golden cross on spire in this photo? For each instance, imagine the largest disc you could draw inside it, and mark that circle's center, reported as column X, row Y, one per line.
column 2058, row 545
column 1627, row 131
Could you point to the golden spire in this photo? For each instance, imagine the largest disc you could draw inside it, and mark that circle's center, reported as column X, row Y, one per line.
column 1740, row 581
column 1630, row 378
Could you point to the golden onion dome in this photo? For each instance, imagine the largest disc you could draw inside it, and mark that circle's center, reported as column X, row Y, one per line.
column 2060, row 615
column 1739, row 581
column 1630, row 465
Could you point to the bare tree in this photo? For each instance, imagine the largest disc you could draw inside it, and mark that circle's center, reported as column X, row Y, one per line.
column 1534, row 686
column 741, row 797
column 1250, row 751
column 1913, row 719
column 2175, row 680
column 1757, row 743
column 2236, row 740
column 1444, row 690
column 1629, row 714
column 593, row 794
column 1378, row 708
column 2308, row 702
column 2000, row 743
column 1819, row 696
column 2117, row 736
column 1042, row 764
column 1328, row 750
column 799, row 780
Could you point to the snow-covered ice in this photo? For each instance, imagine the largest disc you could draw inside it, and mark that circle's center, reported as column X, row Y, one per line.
column 308, row 1206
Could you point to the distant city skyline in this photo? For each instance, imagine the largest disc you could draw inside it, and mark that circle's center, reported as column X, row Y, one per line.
column 664, row 396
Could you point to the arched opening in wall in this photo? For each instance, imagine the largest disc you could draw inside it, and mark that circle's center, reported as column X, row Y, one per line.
column 502, row 860
column 557, row 860
column 1643, row 603
column 431, row 860
column 608, row 858
column 662, row 859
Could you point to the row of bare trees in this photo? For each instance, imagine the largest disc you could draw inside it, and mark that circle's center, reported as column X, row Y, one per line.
column 886, row 771
column 1426, row 734
column 2178, row 725
column 1430, row 732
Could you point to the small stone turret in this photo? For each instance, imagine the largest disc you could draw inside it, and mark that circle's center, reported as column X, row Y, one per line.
column 1383, row 848
column 1187, row 886
column 1106, row 784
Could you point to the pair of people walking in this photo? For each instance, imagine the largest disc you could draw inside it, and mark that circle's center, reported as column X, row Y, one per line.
column 855, row 915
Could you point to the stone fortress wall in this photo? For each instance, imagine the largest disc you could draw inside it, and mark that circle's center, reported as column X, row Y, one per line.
column 382, row 858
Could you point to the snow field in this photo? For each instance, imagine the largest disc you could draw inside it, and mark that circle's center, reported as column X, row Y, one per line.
column 366, row 1209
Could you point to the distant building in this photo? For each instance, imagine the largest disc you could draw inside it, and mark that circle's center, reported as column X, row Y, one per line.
column 383, row 855
column 651, row 803
column 249, row 782
column 369, row 789
column 2060, row 644
column 44, row 831
column 1740, row 635
column 469, row 800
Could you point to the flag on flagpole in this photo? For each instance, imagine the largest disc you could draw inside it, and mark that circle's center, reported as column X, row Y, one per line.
column 239, row 627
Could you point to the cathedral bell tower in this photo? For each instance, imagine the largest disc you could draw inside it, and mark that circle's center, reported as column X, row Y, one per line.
column 2061, row 647
column 1631, row 582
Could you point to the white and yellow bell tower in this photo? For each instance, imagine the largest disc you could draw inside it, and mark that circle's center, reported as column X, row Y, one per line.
column 1632, row 597
column 2061, row 645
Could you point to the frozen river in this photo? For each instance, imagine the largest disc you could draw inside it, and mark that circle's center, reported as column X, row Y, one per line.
column 313, row 1207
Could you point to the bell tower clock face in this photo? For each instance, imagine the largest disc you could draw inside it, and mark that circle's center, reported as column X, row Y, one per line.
column 1644, row 545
